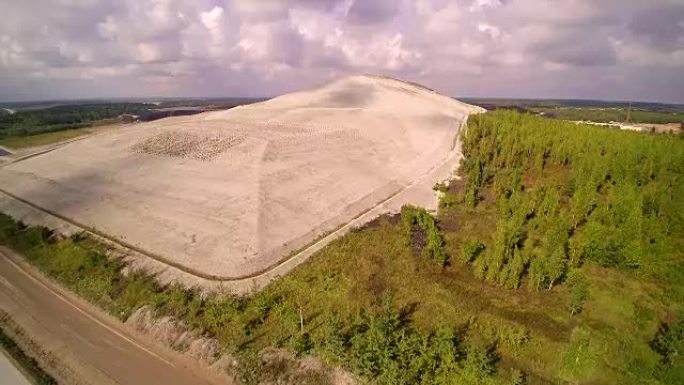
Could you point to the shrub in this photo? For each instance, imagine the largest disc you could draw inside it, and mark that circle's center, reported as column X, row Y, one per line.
column 249, row 367
column 449, row 199
column 470, row 250
column 480, row 359
column 517, row 377
column 385, row 348
column 579, row 291
column 412, row 217
column 302, row 344
column 669, row 341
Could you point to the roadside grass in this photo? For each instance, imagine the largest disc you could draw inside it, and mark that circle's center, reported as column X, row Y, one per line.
column 19, row 142
column 27, row 363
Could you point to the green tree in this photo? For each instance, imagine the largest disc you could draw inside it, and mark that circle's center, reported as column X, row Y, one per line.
column 583, row 201
column 556, row 266
column 579, row 290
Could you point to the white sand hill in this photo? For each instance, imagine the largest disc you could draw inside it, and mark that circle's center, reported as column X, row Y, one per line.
column 229, row 194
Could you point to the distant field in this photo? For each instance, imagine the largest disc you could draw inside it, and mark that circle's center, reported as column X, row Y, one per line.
column 589, row 110
column 19, row 142
column 605, row 115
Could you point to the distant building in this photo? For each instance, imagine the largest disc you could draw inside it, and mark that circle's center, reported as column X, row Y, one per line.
column 129, row 118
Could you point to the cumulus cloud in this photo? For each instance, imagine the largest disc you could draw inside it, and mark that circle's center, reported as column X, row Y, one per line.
column 622, row 49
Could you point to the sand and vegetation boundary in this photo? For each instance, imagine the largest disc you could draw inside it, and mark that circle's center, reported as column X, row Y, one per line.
column 227, row 194
column 558, row 258
column 167, row 270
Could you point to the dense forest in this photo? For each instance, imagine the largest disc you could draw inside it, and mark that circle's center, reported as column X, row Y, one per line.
column 557, row 258
column 568, row 194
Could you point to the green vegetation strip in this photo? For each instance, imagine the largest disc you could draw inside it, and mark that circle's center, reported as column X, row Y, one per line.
column 19, row 142
column 559, row 259
column 41, row 121
column 63, row 117
column 606, row 115
column 28, row 364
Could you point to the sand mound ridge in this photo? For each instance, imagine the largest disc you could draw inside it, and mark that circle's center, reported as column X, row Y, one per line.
column 228, row 194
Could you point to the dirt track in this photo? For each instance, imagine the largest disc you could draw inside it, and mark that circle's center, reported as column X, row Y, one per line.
column 230, row 193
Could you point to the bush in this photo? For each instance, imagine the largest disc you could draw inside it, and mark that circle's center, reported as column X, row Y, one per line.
column 302, row 344
column 480, row 359
column 449, row 199
column 249, row 367
column 413, row 217
column 517, row 377
column 669, row 341
column 387, row 349
column 471, row 249
column 579, row 291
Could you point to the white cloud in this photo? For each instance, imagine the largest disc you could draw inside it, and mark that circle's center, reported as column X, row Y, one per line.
column 255, row 41
column 212, row 19
column 444, row 21
column 379, row 52
column 479, row 5
column 492, row 31
column 11, row 51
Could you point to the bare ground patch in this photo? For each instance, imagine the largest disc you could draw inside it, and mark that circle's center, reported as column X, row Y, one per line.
column 193, row 145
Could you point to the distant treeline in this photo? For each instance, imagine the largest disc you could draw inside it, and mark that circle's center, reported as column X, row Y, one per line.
column 605, row 115
column 32, row 121
column 588, row 110
column 575, row 103
column 57, row 118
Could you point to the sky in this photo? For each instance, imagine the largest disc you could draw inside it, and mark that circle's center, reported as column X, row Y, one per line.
column 588, row 49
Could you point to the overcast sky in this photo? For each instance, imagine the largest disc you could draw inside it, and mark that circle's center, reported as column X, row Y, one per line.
column 592, row 49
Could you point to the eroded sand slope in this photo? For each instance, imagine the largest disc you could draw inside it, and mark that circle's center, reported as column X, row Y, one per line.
column 230, row 193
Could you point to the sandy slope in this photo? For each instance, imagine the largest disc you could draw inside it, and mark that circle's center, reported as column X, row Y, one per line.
column 230, row 193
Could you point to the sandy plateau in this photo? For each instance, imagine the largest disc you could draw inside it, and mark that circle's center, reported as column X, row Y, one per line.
column 227, row 195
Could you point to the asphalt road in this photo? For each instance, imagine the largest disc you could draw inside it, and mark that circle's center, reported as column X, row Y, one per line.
column 95, row 347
